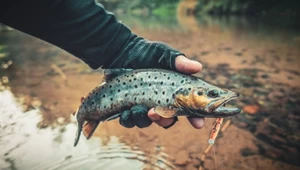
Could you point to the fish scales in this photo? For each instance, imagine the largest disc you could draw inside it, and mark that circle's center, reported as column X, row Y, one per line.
column 148, row 88
column 170, row 93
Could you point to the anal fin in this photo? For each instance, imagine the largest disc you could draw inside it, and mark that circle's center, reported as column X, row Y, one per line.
column 89, row 127
column 165, row 112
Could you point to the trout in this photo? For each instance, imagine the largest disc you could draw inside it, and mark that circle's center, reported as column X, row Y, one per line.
column 169, row 93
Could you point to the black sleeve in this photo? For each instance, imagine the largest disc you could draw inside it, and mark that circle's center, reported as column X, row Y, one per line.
column 81, row 27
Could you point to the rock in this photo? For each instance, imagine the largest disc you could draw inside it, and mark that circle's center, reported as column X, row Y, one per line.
column 248, row 152
column 60, row 120
column 5, row 80
column 251, row 109
column 182, row 157
column 36, row 103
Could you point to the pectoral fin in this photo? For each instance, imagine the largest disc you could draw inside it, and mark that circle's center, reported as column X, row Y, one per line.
column 165, row 112
column 89, row 127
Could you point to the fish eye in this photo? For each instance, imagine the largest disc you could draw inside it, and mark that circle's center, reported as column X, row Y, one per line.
column 213, row 93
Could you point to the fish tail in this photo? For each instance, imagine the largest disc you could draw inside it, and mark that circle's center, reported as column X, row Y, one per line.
column 79, row 129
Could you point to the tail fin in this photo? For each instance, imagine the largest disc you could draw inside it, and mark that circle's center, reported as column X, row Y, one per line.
column 79, row 129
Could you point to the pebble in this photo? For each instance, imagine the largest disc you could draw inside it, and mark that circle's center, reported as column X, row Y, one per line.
column 60, row 120
column 251, row 109
column 36, row 103
column 5, row 80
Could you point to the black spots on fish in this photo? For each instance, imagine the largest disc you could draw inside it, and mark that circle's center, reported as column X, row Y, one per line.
column 163, row 92
column 124, row 83
column 118, row 80
column 182, row 91
column 93, row 102
column 142, row 79
column 167, row 100
column 199, row 93
column 150, row 84
column 213, row 93
column 150, row 99
column 119, row 90
column 130, row 80
column 136, row 86
column 161, row 83
column 103, row 95
column 155, row 77
column 126, row 95
column 132, row 75
column 182, row 81
column 156, row 92
column 165, row 75
column 158, row 101
column 104, row 107
column 111, row 99
column 189, row 88
column 141, row 84
column 168, row 78
column 110, row 86
column 149, row 77
column 173, row 84
column 143, row 93
column 134, row 79
column 135, row 99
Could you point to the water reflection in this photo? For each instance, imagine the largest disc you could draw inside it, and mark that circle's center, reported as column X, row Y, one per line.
column 24, row 146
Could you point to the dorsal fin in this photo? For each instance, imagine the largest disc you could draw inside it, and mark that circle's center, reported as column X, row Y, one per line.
column 111, row 73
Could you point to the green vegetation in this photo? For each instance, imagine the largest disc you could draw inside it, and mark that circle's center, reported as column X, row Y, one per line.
column 166, row 8
column 249, row 7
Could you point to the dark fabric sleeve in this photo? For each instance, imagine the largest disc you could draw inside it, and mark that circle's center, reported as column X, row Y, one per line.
column 80, row 27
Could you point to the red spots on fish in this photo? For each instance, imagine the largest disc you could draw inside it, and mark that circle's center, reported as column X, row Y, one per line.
column 82, row 98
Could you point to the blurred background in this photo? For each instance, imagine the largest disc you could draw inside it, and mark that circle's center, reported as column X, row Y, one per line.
column 249, row 46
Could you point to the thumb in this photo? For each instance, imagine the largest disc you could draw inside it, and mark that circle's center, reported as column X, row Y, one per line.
column 186, row 65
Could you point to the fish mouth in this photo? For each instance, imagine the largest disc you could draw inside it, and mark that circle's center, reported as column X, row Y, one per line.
column 219, row 109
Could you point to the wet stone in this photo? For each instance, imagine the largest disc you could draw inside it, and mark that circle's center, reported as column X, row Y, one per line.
column 251, row 109
column 238, row 54
column 248, row 152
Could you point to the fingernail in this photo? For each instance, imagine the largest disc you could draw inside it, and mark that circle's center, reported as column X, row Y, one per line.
column 153, row 116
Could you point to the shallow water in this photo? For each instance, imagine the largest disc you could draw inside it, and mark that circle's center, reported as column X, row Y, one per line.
column 258, row 59
column 24, row 146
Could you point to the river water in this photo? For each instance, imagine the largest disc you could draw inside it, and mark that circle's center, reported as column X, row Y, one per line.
column 41, row 86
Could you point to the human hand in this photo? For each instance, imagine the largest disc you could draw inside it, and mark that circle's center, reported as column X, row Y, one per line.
column 187, row 66
column 136, row 115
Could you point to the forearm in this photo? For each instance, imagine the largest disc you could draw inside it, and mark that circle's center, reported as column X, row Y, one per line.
column 80, row 27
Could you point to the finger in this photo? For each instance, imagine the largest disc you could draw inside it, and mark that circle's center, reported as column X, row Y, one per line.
column 164, row 122
column 139, row 114
column 196, row 122
column 153, row 116
column 186, row 65
column 126, row 120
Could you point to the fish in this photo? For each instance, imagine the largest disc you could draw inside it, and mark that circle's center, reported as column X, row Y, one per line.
column 170, row 93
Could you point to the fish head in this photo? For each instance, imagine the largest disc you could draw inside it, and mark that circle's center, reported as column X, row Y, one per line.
column 205, row 100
